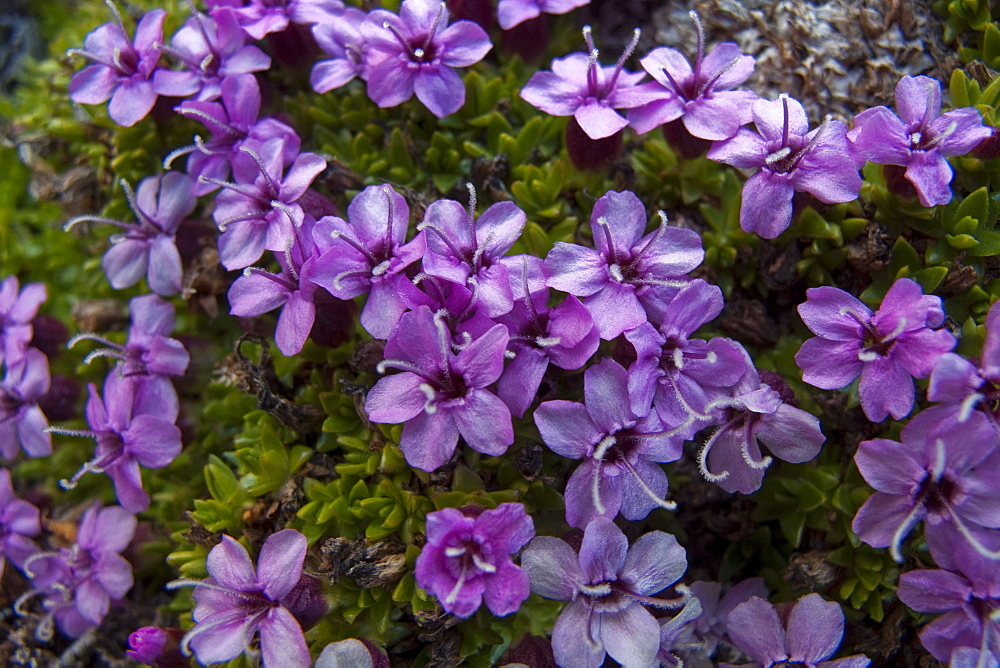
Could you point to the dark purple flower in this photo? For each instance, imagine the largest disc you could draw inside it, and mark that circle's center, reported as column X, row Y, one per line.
column 887, row 349
column 149, row 248
column 701, row 97
column 210, row 49
column 80, row 582
column 415, row 53
column 122, row 69
column 17, row 309
column 920, row 138
column 468, row 559
column 19, row 521
column 237, row 601
column 943, row 473
column 514, row 12
column 790, row 159
column 441, row 395
column 606, row 585
column 810, row 633
column 626, row 268
column 579, row 87
column 158, row 647
column 621, row 450
column 469, row 251
column 126, row 438
column 343, row 42
column 23, row 425
column 755, row 414
column 368, row 254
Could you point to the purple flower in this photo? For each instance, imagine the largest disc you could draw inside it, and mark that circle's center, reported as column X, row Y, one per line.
column 887, row 349
column 17, row 309
column 441, row 395
column 627, row 269
column 149, row 248
column 514, row 12
column 756, row 414
column 158, row 647
column 920, row 138
column 621, row 450
column 80, row 582
column 23, row 425
column 237, row 601
column 258, row 291
column 122, row 69
column 577, row 86
column 809, row 633
column 606, row 585
column 415, row 53
column 126, row 439
column 258, row 212
column 944, row 473
column 19, row 521
column 702, row 97
column 710, row 627
column 262, row 17
column 469, row 251
column 791, row 159
column 467, row 559
column 210, row 50
column 368, row 254
column 343, row 42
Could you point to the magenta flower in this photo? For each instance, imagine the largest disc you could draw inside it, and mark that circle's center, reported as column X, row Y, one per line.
column 19, row 522
column 626, row 268
column 123, row 68
column 158, row 647
column 467, row 559
column 579, row 87
column 606, row 585
column 888, row 349
column 415, row 53
column 920, row 138
column 80, row 582
column 441, row 395
column 238, row 600
column 702, row 97
column 810, row 633
column 790, row 159
column 149, row 248
column 511, row 13
column 210, row 49
column 17, row 309
column 621, row 451
column 23, row 425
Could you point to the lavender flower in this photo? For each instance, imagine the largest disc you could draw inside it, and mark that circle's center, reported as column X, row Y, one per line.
column 887, row 349
column 17, row 309
column 23, row 425
column 577, row 86
column 514, row 12
column 701, row 97
column 148, row 248
column 627, row 268
column 262, row 17
column 467, row 559
column 19, row 522
column 944, row 473
column 210, row 49
column 710, row 627
column 469, row 251
column 343, row 42
column 441, row 395
column 791, row 159
column 415, row 53
column 237, row 601
column 122, row 69
column 80, row 582
column 368, row 255
column 158, row 647
column 810, row 633
column 621, row 450
column 352, row 653
column 606, row 585
column 920, row 138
